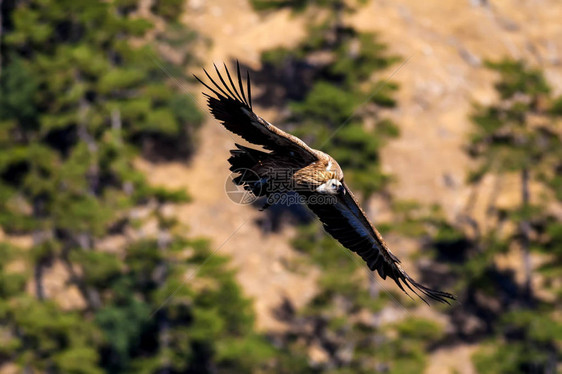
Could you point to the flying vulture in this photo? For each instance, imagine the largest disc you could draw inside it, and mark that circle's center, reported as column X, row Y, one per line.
column 313, row 174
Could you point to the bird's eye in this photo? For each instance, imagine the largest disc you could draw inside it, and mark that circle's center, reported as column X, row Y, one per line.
column 333, row 185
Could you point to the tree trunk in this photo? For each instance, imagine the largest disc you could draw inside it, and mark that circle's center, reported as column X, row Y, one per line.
column 90, row 294
column 38, row 278
column 84, row 135
column 525, row 229
column 491, row 209
column 38, row 237
column 335, row 34
column 164, row 342
column 116, row 124
column 84, row 239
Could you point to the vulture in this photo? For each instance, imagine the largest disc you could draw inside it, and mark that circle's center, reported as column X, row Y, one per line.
column 286, row 163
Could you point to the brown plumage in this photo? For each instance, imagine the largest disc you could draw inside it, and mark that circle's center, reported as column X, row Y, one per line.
column 309, row 172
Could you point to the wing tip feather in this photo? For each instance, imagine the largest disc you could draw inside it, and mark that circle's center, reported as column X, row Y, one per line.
column 436, row 295
column 225, row 91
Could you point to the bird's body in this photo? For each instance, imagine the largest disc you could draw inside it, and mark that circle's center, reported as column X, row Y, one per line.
column 297, row 174
column 288, row 164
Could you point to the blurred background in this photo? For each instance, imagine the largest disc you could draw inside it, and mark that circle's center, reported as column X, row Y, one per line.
column 120, row 251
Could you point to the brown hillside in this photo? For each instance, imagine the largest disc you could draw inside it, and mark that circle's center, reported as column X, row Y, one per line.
column 446, row 43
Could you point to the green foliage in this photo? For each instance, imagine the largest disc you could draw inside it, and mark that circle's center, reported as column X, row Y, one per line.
column 556, row 108
column 19, row 104
column 517, row 134
column 207, row 321
column 529, row 345
column 78, row 102
column 357, row 152
column 49, row 339
column 99, row 268
column 263, row 5
column 11, row 283
column 325, row 95
column 170, row 10
column 302, row 5
column 516, row 78
column 328, row 254
column 405, row 352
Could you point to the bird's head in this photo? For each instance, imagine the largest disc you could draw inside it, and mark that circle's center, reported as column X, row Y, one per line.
column 331, row 187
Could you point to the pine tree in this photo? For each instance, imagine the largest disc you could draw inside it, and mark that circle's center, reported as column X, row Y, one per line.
column 83, row 92
column 516, row 134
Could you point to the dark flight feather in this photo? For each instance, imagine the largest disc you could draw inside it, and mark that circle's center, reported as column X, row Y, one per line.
column 234, row 110
column 347, row 223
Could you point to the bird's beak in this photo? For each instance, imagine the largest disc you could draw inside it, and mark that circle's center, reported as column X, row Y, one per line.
column 341, row 189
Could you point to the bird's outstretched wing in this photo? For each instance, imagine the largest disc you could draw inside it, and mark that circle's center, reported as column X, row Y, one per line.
column 232, row 105
column 347, row 223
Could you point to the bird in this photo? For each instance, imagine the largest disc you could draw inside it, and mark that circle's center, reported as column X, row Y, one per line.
column 285, row 163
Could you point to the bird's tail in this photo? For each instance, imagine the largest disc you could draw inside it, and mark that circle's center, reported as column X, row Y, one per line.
column 245, row 161
column 244, row 157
